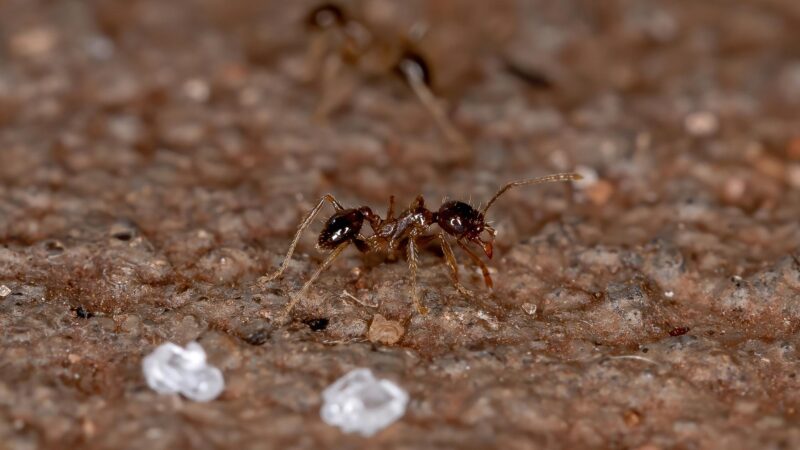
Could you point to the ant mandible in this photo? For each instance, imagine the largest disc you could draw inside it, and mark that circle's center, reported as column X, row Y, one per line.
column 455, row 218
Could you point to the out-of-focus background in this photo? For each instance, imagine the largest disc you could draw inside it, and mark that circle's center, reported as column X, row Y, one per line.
column 156, row 157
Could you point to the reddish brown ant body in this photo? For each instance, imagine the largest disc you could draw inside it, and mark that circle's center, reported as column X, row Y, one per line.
column 454, row 218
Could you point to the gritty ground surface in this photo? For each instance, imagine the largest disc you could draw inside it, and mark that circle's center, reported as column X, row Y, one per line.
column 156, row 157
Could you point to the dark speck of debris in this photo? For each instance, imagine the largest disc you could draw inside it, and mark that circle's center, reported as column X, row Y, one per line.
column 532, row 77
column 317, row 324
column 54, row 247
column 678, row 331
column 258, row 337
column 123, row 236
column 82, row 313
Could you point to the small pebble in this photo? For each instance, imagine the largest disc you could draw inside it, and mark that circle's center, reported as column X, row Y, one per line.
column 600, row 192
column 360, row 403
column 385, row 331
column 701, row 123
column 793, row 175
column 173, row 369
column 4, row 291
column 530, row 308
column 197, row 89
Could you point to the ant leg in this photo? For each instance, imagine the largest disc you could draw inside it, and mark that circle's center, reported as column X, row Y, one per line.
column 450, row 260
column 390, row 211
column 336, row 86
column 418, row 202
column 416, row 80
column 487, row 278
column 413, row 261
column 306, row 222
column 294, row 298
column 317, row 50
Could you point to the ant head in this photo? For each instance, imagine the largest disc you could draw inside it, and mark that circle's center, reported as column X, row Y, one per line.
column 325, row 16
column 341, row 227
column 465, row 222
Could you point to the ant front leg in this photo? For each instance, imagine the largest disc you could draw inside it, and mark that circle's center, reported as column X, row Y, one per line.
column 487, row 277
column 450, row 260
column 413, row 262
column 303, row 225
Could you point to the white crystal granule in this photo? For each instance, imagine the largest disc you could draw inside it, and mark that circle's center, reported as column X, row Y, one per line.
column 173, row 369
column 360, row 403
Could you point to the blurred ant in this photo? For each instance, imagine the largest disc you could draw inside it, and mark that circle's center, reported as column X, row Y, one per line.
column 339, row 39
column 454, row 218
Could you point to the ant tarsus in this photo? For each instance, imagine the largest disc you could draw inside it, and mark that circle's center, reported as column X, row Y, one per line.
column 456, row 220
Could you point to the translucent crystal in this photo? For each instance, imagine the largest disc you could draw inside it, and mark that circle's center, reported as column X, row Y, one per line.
column 173, row 369
column 360, row 403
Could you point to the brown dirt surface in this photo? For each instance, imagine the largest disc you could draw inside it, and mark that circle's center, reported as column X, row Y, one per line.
column 156, row 157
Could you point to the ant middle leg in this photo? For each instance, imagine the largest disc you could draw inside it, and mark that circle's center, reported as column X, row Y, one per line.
column 297, row 296
column 487, row 277
column 303, row 225
column 413, row 262
column 450, row 260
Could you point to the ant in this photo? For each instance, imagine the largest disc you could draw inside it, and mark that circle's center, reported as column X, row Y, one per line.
column 454, row 218
column 339, row 39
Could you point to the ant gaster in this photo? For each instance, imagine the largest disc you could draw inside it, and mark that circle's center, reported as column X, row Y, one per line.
column 339, row 39
column 456, row 219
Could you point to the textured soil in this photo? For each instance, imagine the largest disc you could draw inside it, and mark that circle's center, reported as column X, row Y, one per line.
column 157, row 156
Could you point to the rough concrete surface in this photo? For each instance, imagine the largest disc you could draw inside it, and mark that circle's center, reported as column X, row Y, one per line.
column 156, row 157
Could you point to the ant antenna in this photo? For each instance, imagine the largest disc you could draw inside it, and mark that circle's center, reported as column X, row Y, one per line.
column 546, row 179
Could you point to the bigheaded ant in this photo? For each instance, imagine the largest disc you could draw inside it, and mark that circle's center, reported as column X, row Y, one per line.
column 454, row 218
column 340, row 40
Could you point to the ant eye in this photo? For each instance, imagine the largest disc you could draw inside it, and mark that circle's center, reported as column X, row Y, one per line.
column 413, row 65
column 342, row 226
column 325, row 16
column 460, row 219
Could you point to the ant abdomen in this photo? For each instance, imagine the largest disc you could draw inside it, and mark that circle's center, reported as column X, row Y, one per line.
column 341, row 227
column 460, row 219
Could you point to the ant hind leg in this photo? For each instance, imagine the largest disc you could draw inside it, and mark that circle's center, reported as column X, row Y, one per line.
column 297, row 296
column 303, row 225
